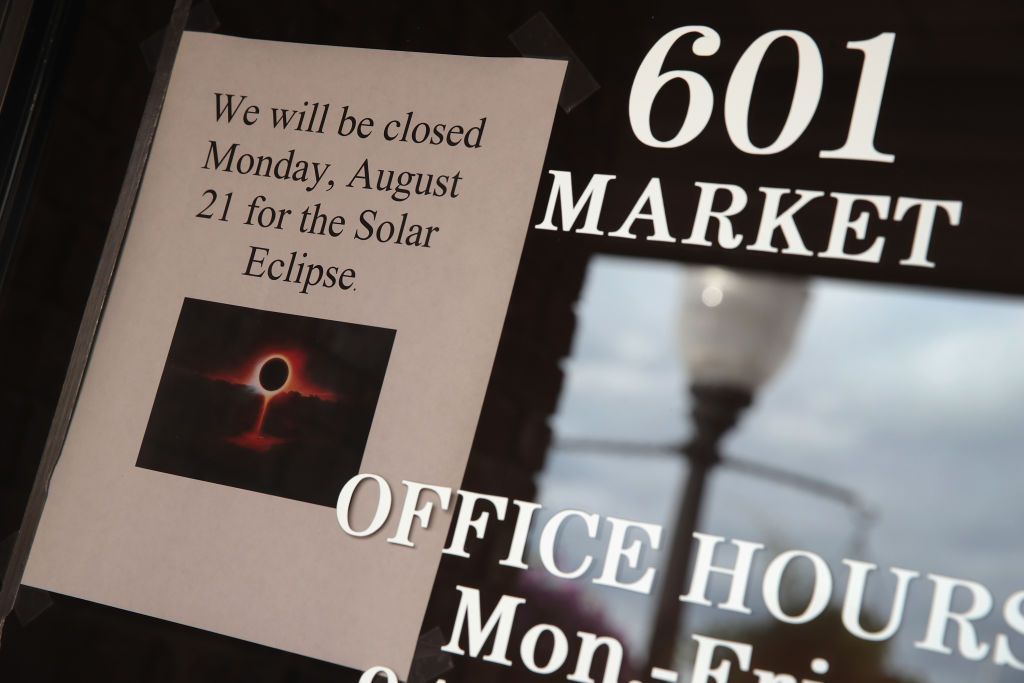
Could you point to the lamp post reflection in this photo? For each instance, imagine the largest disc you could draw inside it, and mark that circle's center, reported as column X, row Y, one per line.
column 738, row 329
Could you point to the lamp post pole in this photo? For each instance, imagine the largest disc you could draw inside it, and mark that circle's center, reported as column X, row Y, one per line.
column 738, row 329
column 715, row 410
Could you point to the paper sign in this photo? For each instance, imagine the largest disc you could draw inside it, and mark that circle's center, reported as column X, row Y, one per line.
column 313, row 285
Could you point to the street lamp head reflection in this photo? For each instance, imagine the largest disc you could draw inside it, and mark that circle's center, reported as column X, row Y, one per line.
column 738, row 327
column 711, row 296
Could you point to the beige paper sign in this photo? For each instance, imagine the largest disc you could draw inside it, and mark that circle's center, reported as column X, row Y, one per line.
column 313, row 285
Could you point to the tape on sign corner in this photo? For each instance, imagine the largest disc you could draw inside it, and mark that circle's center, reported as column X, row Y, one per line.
column 29, row 602
column 538, row 37
column 428, row 661
column 201, row 17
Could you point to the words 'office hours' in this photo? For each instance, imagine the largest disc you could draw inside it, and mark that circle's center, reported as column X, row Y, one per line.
column 956, row 605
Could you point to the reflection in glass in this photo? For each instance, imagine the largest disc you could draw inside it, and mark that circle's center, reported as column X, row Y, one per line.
column 894, row 400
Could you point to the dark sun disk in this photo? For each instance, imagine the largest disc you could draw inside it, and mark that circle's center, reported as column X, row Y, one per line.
column 273, row 374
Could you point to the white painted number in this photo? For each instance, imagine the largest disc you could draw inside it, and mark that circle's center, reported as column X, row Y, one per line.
column 649, row 80
column 860, row 139
column 371, row 675
column 809, row 75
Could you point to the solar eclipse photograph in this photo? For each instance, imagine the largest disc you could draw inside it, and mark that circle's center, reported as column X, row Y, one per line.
column 270, row 402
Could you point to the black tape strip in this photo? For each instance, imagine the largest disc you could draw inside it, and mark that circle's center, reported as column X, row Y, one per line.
column 201, row 18
column 429, row 662
column 30, row 603
column 539, row 38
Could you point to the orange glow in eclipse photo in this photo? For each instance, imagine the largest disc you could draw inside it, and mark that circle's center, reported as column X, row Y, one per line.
column 270, row 375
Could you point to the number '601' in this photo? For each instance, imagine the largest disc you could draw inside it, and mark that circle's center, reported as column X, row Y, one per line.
column 860, row 138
